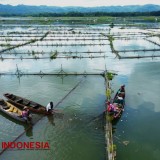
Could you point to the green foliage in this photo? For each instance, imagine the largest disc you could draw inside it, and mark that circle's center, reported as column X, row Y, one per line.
column 45, row 35
column 8, row 45
column 54, row 55
column 73, row 32
column 33, row 53
column 111, row 25
column 112, row 148
column 110, row 38
column 32, row 41
column 110, row 75
column 109, row 118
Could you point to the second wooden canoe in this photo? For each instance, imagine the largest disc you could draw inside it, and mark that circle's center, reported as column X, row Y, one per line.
column 22, row 102
column 11, row 110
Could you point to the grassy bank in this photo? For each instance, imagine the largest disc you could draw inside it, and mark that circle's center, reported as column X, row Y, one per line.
column 79, row 20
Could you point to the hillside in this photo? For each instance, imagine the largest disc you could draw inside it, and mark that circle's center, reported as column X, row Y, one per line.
column 27, row 10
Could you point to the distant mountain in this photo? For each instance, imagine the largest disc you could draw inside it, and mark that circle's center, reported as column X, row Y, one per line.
column 26, row 10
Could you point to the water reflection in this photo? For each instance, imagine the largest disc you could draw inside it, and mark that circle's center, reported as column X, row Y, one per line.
column 58, row 114
column 27, row 127
column 140, row 129
column 79, row 133
column 29, row 132
column 51, row 120
column 143, row 84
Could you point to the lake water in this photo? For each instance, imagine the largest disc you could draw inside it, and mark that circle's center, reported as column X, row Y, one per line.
column 75, row 135
column 79, row 134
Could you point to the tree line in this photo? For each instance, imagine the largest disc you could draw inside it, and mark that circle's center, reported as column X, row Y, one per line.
column 87, row 14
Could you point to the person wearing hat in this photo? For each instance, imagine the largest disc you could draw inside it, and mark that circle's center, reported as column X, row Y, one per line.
column 120, row 98
column 121, row 91
column 111, row 108
column 26, row 113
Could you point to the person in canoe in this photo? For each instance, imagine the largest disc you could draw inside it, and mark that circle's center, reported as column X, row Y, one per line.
column 26, row 114
column 49, row 107
column 122, row 91
column 120, row 99
column 111, row 108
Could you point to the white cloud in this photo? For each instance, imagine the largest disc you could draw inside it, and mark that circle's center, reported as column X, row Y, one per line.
column 88, row 3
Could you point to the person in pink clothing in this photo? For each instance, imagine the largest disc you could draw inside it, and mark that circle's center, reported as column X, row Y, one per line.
column 25, row 113
column 111, row 108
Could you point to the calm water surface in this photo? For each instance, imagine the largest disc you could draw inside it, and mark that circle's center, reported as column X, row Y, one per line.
column 79, row 134
column 76, row 135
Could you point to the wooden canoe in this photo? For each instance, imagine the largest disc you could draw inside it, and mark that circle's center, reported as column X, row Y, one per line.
column 11, row 111
column 119, row 105
column 22, row 102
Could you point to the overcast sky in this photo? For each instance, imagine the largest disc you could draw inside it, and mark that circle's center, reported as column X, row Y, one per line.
column 85, row 3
